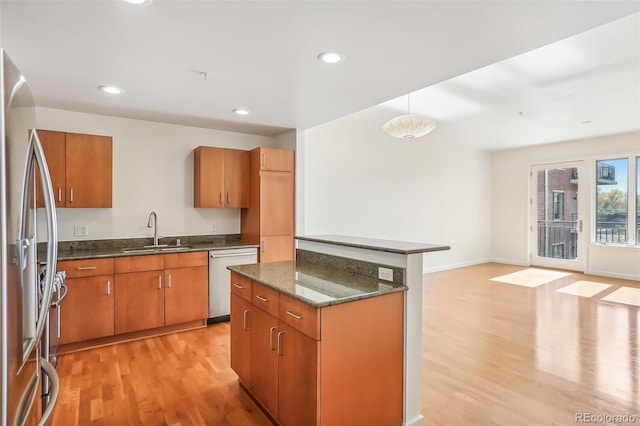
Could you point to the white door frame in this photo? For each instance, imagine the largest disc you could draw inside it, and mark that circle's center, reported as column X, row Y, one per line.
column 581, row 226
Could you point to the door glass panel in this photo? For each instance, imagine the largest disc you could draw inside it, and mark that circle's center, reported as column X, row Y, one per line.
column 557, row 213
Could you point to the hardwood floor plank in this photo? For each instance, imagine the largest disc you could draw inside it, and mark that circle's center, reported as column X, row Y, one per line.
column 493, row 354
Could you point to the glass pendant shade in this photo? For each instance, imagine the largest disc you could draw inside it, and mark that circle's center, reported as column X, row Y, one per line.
column 409, row 126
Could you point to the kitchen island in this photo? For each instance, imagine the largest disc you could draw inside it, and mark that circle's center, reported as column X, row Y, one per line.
column 323, row 340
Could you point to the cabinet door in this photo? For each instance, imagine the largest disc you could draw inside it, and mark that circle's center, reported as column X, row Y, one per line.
column 208, row 183
column 264, row 360
column 139, row 301
column 273, row 249
column 297, row 377
column 276, row 203
column 88, row 170
column 186, row 295
column 236, row 178
column 87, row 310
column 54, row 147
column 241, row 320
column 276, row 159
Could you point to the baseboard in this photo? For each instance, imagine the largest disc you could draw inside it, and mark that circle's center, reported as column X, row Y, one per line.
column 612, row 275
column 510, row 262
column 455, row 266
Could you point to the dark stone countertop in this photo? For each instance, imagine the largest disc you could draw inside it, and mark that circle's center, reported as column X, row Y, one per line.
column 389, row 246
column 92, row 249
column 316, row 285
column 103, row 252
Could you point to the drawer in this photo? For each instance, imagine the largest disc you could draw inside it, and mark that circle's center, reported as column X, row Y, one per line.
column 265, row 298
column 241, row 286
column 139, row 263
column 86, row 268
column 299, row 315
column 186, row 260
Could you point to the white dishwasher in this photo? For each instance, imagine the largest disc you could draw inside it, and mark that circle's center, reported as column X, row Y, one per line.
column 220, row 277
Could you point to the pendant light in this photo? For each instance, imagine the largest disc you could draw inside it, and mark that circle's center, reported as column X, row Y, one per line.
column 409, row 126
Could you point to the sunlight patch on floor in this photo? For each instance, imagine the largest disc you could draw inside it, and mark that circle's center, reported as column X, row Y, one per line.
column 584, row 288
column 626, row 295
column 531, row 277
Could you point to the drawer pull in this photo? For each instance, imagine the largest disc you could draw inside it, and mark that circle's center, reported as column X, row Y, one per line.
column 244, row 319
column 108, row 288
column 241, row 287
column 263, row 299
column 221, row 198
column 59, row 195
column 159, row 281
column 271, row 338
column 294, row 315
column 280, row 342
column 169, row 280
column 228, row 198
column 86, row 268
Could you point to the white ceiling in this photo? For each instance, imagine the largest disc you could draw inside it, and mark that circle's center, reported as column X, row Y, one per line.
column 262, row 56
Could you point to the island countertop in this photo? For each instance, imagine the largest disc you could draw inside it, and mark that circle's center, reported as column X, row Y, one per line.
column 316, row 285
column 389, row 246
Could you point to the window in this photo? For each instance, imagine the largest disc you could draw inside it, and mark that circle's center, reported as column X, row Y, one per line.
column 558, row 205
column 617, row 216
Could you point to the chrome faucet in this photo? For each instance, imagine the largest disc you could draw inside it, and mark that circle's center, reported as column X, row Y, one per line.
column 154, row 216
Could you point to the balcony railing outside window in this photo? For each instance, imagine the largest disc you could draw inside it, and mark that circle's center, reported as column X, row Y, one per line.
column 558, row 239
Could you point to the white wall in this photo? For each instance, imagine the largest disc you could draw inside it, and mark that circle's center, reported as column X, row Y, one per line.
column 360, row 181
column 510, row 189
column 152, row 170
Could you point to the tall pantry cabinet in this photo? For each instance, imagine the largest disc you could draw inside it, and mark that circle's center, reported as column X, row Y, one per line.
column 270, row 217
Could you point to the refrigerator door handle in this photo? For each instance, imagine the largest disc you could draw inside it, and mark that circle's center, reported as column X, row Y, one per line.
column 36, row 153
column 27, row 400
column 54, row 388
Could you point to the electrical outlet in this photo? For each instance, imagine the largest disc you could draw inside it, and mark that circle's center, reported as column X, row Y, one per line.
column 214, row 227
column 385, row 274
column 81, row 230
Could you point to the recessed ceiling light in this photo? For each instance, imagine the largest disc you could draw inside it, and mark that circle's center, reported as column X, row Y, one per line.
column 138, row 1
column 331, row 57
column 111, row 89
column 241, row 111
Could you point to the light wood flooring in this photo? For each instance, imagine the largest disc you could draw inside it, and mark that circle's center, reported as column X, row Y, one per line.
column 493, row 354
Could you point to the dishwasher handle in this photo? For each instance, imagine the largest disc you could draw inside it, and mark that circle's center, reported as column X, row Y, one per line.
column 215, row 256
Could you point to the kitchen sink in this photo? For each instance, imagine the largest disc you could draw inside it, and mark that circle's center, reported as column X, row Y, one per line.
column 159, row 249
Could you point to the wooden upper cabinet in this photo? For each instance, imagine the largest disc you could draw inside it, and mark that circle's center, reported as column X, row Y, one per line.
column 275, row 159
column 276, row 203
column 54, row 147
column 81, row 169
column 221, row 178
column 269, row 220
column 89, row 172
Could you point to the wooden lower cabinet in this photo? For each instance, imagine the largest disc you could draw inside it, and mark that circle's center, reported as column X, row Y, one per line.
column 337, row 365
column 139, row 301
column 186, row 295
column 241, row 338
column 88, row 309
column 264, row 359
column 276, row 248
column 297, row 377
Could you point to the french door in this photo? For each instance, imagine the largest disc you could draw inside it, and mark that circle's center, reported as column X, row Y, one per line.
column 557, row 216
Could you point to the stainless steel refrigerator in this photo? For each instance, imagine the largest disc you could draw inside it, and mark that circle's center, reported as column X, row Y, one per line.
column 25, row 295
